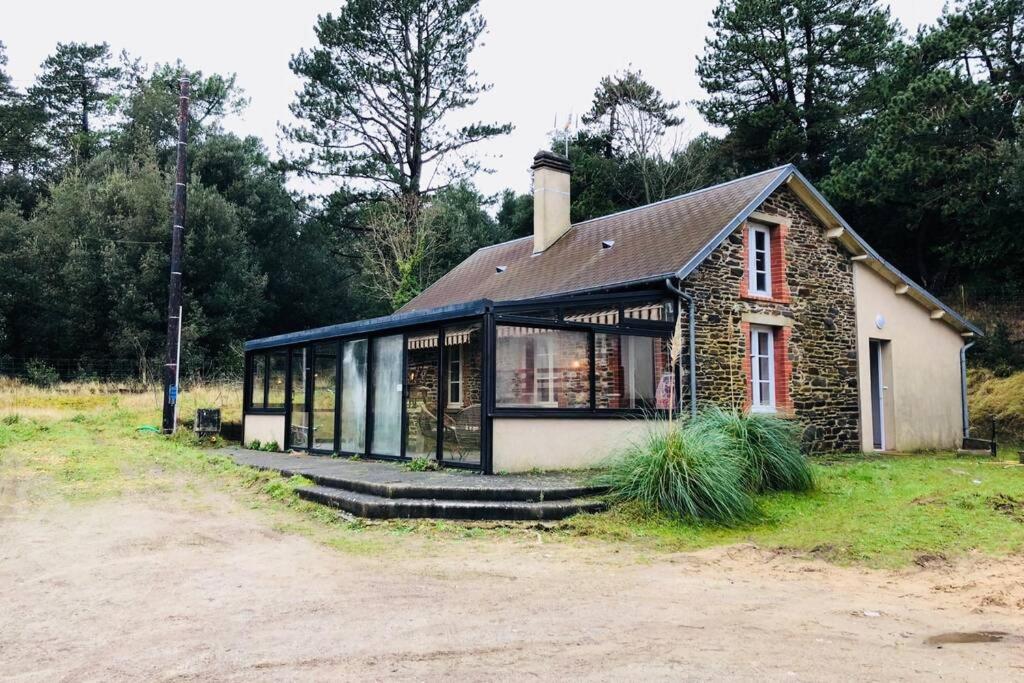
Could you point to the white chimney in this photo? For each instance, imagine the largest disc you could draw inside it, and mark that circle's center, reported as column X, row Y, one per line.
column 550, row 199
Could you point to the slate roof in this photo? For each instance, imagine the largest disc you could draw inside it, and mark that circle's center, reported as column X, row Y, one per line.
column 651, row 242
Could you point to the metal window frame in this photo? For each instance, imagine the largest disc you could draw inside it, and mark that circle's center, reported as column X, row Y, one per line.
column 489, row 316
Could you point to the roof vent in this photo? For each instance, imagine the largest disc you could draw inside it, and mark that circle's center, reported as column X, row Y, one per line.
column 501, row 269
column 607, row 244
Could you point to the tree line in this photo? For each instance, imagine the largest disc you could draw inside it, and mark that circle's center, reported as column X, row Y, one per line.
column 914, row 138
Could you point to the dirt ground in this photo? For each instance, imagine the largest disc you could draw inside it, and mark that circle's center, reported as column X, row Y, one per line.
column 199, row 586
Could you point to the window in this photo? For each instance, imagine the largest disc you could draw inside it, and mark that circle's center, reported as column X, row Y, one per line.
column 632, row 372
column 759, row 263
column 650, row 312
column 388, row 385
column 542, row 368
column 298, row 436
column 602, row 315
column 353, row 396
column 421, row 386
column 455, row 377
column 257, row 380
column 277, row 378
column 762, row 369
column 461, row 441
column 325, row 368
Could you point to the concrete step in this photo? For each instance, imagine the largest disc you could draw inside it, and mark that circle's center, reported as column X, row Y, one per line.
column 392, row 481
column 381, row 507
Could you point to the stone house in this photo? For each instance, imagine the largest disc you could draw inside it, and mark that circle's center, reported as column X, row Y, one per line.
column 543, row 352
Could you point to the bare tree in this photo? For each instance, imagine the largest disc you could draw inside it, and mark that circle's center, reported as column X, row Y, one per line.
column 399, row 248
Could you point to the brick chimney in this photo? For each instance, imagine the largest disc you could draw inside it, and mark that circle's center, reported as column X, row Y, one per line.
column 550, row 199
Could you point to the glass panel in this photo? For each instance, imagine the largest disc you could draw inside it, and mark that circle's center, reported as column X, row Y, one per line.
column 353, row 396
column 462, row 418
column 257, row 399
column 542, row 313
column 596, row 315
column 759, row 239
column 298, row 435
column 325, row 369
column 455, row 376
column 542, row 368
column 660, row 311
column 387, row 395
column 632, row 372
column 422, row 357
column 278, row 367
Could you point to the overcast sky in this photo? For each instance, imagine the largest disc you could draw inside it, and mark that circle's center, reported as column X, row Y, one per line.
column 544, row 57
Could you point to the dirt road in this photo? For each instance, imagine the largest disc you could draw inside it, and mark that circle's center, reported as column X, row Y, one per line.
column 201, row 587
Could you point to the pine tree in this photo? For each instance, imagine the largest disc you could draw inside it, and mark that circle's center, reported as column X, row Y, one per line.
column 77, row 89
column 787, row 77
column 378, row 91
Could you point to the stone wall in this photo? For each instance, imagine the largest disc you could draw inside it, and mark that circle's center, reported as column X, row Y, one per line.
column 814, row 297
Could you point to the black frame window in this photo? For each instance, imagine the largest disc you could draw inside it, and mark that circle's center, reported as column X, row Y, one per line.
column 257, row 397
column 462, row 379
column 265, row 382
column 277, row 380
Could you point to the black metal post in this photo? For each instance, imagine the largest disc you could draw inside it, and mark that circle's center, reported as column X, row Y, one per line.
column 488, row 378
column 174, row 305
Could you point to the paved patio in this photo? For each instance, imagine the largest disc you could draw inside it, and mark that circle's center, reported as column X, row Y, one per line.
column 392, row 480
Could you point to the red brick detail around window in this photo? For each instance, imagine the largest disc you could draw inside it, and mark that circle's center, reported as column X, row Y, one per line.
column 780, row 285
column 783, row 371
column 748, row 394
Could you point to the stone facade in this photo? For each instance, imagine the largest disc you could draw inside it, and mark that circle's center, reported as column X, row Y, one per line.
column 812, row 311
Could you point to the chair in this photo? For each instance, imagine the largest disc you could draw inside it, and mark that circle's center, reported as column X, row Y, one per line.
column 464, row 428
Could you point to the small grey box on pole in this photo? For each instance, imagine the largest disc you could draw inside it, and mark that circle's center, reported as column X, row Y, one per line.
column 174, row 306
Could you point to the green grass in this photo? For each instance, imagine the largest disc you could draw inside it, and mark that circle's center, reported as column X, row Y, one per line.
column 881, row 511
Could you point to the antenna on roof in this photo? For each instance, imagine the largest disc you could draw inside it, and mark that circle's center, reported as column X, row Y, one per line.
column 571, row 124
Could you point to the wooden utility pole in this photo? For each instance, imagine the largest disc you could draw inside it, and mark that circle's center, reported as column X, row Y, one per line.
column 174, row 306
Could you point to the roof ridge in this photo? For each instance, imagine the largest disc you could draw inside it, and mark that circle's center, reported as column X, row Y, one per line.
column 684, row 195
column 501, row 244
column 677, row 197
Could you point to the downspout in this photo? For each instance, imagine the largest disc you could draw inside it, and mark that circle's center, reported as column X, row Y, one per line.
column 963, row 388
column 692, row 323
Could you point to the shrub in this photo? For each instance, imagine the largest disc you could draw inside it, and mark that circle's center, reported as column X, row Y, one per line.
column 683, row 472
column 255, row 445
column 41, row 374
column 271, row 446
column 422, row 465
column 768, row 446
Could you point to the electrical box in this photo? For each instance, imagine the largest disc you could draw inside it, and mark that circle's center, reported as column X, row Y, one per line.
column 208, row 421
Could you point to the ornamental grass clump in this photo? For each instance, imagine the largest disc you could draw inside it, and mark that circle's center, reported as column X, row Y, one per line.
column 710, row 467
column 682, row 471
column 769, row 447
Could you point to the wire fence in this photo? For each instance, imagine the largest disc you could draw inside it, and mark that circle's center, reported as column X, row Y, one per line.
column 126, row 370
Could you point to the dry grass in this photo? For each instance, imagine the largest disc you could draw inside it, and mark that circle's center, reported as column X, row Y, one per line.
column 1001, row 398
column 57, row 401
